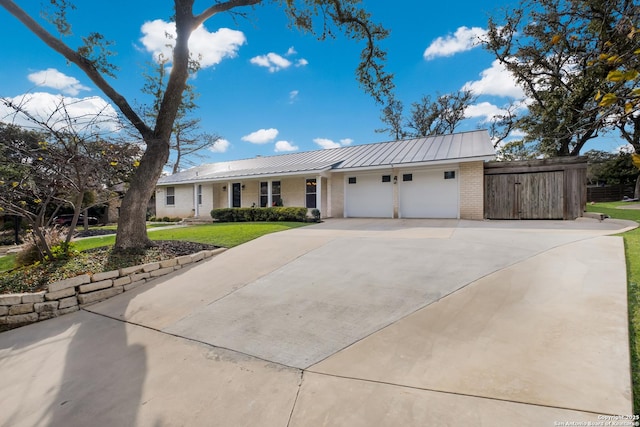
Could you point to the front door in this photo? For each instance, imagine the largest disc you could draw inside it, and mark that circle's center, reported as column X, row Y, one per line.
column 236, row 198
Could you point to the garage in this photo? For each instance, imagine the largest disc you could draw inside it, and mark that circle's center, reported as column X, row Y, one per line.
column 369, row 195
column 428, row 193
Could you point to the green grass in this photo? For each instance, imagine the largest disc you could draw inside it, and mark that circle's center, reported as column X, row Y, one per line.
column 632, row 254
column 226, row 235
column 7, row 262
column 611, row 209
column 115, row 227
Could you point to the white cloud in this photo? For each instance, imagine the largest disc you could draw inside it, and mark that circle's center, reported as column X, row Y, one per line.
column 261, row 136
column 328, row 143
column 275, row 62
column 56, row 80
column 90, row 114
column 210, row 48
column 272, row 61
column 485, row 110
column 282, row 146
column 462, row 40
column 220, row 146
column 293, row 96
column 497, row 81
column 626, row 148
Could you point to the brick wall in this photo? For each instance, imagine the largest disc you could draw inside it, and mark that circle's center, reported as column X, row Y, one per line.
column 472, row 190
column 336, row 199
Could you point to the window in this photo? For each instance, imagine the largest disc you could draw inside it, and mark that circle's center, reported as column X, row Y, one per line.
column 276, row 193
column 311, row 193
column 352, row 180
column 407, row 177
column 199, row 194
column 171, row 196
column 264, row 194
column 450, row 175
column 386, row 178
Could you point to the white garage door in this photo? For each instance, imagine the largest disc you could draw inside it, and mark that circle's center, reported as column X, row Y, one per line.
column 428, row 194
column 369, row 196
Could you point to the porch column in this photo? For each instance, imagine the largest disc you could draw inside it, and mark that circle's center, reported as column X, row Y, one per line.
column 319, row 193
column 229, row 195
column 196, row 209
column 329, row 195
column 269, row 194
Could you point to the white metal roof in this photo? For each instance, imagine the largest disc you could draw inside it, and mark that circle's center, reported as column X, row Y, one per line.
column 453, row 148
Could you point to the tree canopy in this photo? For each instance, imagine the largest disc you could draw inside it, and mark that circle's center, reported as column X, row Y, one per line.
column 427, row 117
column 44, row 171
column 553, row 48
column 323, row 18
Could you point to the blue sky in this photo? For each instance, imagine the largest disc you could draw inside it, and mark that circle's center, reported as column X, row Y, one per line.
column 267, row 89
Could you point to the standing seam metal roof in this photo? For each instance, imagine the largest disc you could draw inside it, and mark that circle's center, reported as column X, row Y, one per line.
column 454, row 147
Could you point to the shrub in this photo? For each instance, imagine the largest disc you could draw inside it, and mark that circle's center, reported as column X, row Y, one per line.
column 64, row 250
column 32, row 250
column 259, row 214
column 316, row 214
column 152, row 219
column 166, row 219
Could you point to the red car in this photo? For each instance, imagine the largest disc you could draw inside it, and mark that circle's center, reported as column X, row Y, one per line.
column 65, row 220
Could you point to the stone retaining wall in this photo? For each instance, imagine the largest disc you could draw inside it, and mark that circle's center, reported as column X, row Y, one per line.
column 68, row 295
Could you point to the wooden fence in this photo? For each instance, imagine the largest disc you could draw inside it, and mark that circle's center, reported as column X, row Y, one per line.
column 536, row 189
column 609, row 193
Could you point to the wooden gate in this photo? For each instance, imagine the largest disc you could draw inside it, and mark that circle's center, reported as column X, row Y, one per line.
column 535, row 189
column 525, row 196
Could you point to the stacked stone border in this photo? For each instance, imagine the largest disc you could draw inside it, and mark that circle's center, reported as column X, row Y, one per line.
column 69, row 295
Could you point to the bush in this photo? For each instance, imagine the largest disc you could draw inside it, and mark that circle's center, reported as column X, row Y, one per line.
column 259, row 214
column 316, row 214
column 32, row 250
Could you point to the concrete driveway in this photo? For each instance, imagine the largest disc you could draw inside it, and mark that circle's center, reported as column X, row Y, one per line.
column 347, row 323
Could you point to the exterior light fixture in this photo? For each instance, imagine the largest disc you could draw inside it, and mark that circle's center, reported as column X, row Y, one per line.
column 224, row 188
column 395, row 179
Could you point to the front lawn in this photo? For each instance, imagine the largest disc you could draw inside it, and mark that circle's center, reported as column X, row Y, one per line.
column 221, row 234
column 226, row 235
column 613, row 210
column 632, row 254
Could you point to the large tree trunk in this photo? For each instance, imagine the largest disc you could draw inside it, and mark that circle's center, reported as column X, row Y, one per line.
column 132, row 229
column 132, row 225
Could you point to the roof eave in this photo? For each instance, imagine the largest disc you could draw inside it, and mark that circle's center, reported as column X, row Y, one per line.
column 419, row 164
column 226, row 179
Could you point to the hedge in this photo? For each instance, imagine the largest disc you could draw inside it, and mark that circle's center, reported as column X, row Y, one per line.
column 259, row 214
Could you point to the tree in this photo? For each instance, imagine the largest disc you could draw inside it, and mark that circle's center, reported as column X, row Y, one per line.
column 21, row 192
column 438, row 117
column 66, row 163
column 551, row 47
column 393, row 118
column 92, row 59
column 501, row 125
column 517, row 150
column 185, row 141
column 620, row 100
column 611, row 168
